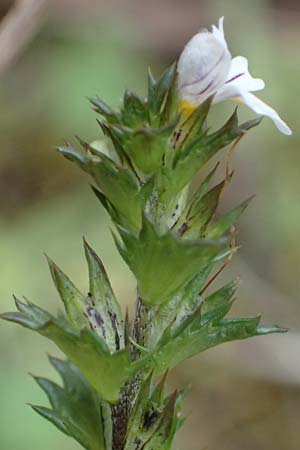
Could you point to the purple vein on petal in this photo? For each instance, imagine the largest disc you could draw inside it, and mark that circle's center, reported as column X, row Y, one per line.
column 235, row 77
column 206, row 75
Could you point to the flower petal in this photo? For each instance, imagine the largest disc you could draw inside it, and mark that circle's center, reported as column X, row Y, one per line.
column 203, row 65
column 239, row 80
column 218, row 31
column 262, row 108
column 240, row 76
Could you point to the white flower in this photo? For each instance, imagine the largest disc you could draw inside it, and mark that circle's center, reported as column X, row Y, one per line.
column 205, row 67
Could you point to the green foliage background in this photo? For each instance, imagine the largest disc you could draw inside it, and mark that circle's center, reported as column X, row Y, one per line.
column 46, row 205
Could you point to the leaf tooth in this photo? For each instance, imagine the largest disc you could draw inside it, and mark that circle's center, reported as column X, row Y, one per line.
column 53, row 391
column 264, row 329
column 105, row 302
column 72, row 298
column 22, row 307
column 62, row 366
column 223, row 225
column 51, row 416
column 19, row 318
column 73, row 155
column 29, row 315
column 96, row 268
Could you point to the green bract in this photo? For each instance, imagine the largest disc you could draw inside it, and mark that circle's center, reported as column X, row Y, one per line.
column 174, row 243
column 75, row 408
column 155, row 258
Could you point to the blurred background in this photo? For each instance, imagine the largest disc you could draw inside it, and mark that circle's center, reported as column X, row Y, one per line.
column 53, row 55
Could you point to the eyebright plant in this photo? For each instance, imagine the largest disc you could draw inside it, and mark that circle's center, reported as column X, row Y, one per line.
column 113, row 395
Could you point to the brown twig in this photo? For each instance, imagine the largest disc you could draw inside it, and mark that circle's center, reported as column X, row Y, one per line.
column 18, row 27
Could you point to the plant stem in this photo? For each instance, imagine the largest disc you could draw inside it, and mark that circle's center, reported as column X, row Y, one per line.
column 121, row 411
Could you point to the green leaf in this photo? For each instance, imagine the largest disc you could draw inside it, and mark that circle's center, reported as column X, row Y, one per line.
column 220, row 298
column 120, row 187
column 103, row 309
column 196, row 197
column 154, row 418
column 201, row 212
column 163, row 434
column 146, row 146
column 74, row 155
column 195, row 154
column 134, row 113
column 172, row 312
column 170, row 108
column 151, row 90
column 223, row 225
column 103, row 109
column 70, row 295
column 192, row 127
column 191, row 298
column 52, row 417
column 154, row 259
column 108, row 132
column 115, row 217
column 158, row 93
column 106, row 371
column 75, row 407
column 200, row 335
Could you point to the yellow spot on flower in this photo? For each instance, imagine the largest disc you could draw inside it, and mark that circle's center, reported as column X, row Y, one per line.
column 237, row 100
column 186, row 108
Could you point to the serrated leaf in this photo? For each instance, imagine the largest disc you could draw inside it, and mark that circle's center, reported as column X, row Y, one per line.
column 172, row 313
column 219, row 298
column 196, row 197
column 119, row 185
column 102, row 108
column 52, row 417
column 195, row 154
column 147, row 146
column 75, row 408
column 154, row 260
column 73, row 155
column 134, row 113
column 210, row 333
column 193, row 125
column 191, row 294
column 201, row 212
column 105, row 371
column 103, row 309
column 223, row 225
column 158, row 89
